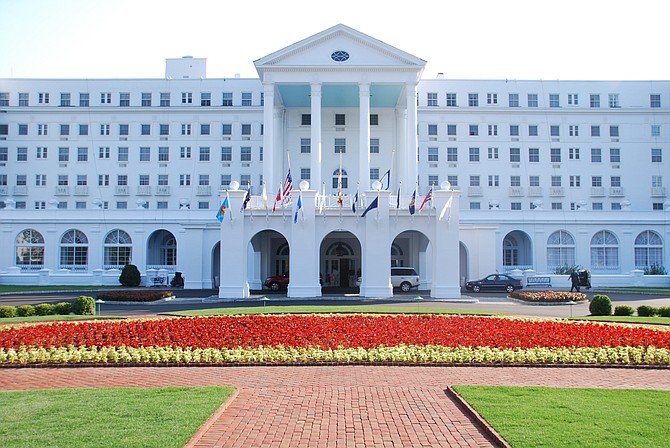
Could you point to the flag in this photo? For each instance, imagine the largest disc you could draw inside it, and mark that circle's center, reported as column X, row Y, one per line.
column 288, row 187
column 428, row 197
column 387, row 175
column 297, row 209
column 322, row 204
column 446, row 207
column 412, row 203
column 222, row 210
column 247, row 198
column 353, row 204
column 397, row 201
column 277, row 199
column 340, row 200
column 265, row 197
column 373, row 204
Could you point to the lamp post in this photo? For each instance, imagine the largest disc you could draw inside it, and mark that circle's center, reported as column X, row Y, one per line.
column 571, row 302
column 98, row 304
column 264, row 299
column 418, row 301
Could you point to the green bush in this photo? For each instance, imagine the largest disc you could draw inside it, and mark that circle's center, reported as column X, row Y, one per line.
column 7, row 311
column 63, row 308
column 44, row 309
column 646, row 311
column 655, row 269
column 566, row 269
column 130, row 276
column 601, row 305
column 25, row 310
column 664, row 311
column 623, row 310
column 84, row 305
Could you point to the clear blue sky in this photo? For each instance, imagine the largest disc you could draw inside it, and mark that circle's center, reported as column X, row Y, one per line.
column 473, row 39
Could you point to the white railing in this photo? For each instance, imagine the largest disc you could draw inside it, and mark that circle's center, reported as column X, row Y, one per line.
column 170, row 268
column 30, row 267
column 122, row 190
column 62, row 190
column 74, row 267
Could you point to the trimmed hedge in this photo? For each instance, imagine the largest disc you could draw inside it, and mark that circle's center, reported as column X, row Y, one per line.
column 25, row 310
column 84, row 305
column 7, row 311
column 44, row 309
column 601, row 305
column 134, row 295
column 623, row 310
column 647, row 311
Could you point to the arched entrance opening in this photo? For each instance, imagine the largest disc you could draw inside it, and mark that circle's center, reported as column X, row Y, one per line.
column 340, row 261
column 216, row 265
column 268, row 255
column 463, row 264
column 412, row 248
column 162, row 251
column 517, row 251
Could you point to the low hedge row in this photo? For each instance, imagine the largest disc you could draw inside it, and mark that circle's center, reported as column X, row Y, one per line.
column 83, row 305
column 646, row 310
column 134, row 295
column 549, row 296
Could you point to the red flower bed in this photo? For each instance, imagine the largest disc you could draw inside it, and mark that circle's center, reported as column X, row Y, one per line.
column 330, row 332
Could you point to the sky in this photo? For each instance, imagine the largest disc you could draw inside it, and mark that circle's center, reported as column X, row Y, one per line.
column 464, row 39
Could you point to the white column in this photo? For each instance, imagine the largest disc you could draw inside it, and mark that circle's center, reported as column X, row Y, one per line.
column 233, row 270
column 411, row 163
column 315, row 110
column 364, row 142
column 269, row 148
column 398, row 172
column 376, row 250
column 190, row 254
column 446, row 247
column 304, row 255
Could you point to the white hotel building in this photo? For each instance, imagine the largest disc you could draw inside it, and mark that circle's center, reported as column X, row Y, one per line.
column 97, row 173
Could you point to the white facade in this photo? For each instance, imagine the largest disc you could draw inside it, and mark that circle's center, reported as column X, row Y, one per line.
column 98, row 173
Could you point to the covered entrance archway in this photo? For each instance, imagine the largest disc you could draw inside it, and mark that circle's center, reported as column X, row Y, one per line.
column 268, row 255
column 162, row 251
column 412, row 248
column 517, row 251
column 340, row 261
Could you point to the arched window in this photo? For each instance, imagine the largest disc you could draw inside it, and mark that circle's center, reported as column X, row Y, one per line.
column 336, row 179
column 397, row 256
column 30, row 250
column 648, row 250
column 282, row 259
column 604, row 251
column 74, row 251
column 118, row 249
column 560, row 250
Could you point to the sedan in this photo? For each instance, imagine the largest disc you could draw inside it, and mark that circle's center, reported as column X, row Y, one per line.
column 495, row 282
column 276, row 282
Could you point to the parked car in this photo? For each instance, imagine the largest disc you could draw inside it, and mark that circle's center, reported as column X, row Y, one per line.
column 495, row 282
column 276, row 282
column 403, row 278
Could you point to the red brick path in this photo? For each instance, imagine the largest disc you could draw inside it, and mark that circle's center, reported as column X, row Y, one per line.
column 337, row 406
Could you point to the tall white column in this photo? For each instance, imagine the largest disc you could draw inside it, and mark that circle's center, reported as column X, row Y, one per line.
column 411, row 161
column 269, row 159
column 233, row 274
column 315, row 161
column 304, row 248
column 376, row 253
column 446, row 246
column 364, row 142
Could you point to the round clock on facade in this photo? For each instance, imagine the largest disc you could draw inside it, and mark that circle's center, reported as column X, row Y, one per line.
column 339, row 56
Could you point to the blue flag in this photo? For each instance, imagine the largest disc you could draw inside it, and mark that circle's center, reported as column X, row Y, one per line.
column 297, row 209
column 386, row 176
column 412, row 203
column 373, row 204
column 222, row 210
column 353, row 204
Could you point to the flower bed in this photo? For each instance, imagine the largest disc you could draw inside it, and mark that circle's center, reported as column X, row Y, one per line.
column 320, row 338
column 134, row 295
column 549, row 296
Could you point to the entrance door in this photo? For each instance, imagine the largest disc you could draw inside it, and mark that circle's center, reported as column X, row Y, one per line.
column 344, row 272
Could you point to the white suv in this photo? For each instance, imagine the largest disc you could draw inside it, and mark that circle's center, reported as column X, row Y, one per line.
column 404, row 278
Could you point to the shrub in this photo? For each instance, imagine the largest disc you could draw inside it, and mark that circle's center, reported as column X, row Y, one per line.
column 646, row 311
column 130, row 276
column 25, row 310
column 63, row 308
column 623, row 310
column 655, row 269
column 664, row 311
column 567, row 270
column 44, row 309
column 84, row 305
column 7, row 311
column 601, row 305
column 135, row 295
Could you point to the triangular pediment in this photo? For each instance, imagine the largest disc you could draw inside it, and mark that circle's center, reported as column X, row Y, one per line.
column 338, row 48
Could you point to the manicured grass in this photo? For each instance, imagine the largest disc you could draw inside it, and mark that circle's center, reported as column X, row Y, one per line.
column 161, row 417
column 547, row 417
column 632, row 289
column 328, row 309
column 53, row 317
column 31, row 288
column 657, row 320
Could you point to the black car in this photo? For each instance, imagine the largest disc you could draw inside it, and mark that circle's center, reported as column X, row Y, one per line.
column 495, row 282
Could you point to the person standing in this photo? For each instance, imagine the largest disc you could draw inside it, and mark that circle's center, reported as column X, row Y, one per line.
column 574, row 278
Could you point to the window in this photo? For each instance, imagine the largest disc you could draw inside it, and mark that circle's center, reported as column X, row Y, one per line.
column 657, row 206
column 122, row 180
column 556, row 181
column 63, row 154
column 145, row 154
column 615, row 181
column 144, row 180
column 22, row 180
column 493, row 153
column 340, row 119
column 474, row 154
column 82, row 180
column 41, row 152
column 42, row 98
column 21, row 154
column 595, row 131
column 473, row 99
column 557, row 206
column 185, row 152
column 597, row 206
column 532, row 130
column 616, row 206
column 533, row 154
column 82, row 154
column 515, row 181
column 491, row 98
column 204, row 129
column 374, row 146
column 451, row 100
column 475, row 205
column 513, row 100
column 656, row 155
column 203, row 180
column 573, row 130
column 204, row 154
column 336, row 179
column 453, row 180
column 493, row 130
column 163, row 180
column 451, row 129
column 4, row 99
column 40, row 205
column 654, row 100
column 227, row 99
column 164, row 129
column 4, row 154
column 452, row 154
column 514, row 130
column 63, row 180
column 340, row 145
column 555, row 130
column 555, row 155
column 4, row 129
column 560, row 250
column 245, row 154
column 656, row 181
column 246, row 98
column 225, row 180
column 226, row 154
column 205, row 99
column 84, row 99
column 118, row 249
column 186, row 129
column 163, row 154
column 24, row 99
column 431, row 99
column 305, row 173
column 604, row 251
column 124, row 99
column 515, row 155
column 246, row 129
column 515, row 206
column 162, row 205
column 494, row 180
column 122, row 155
column 474, row 181
column 594, row 100
column 473, row 130
column 122, row 205
column 42, row 129
column 187, row 98
column 648, row 250
column 227, row 129
column 64, row 129
column 613, row 99
column 432, row 129
column 30, row 250
column 554, row 100
column 123, row 129
column 165, row 99
column 305, row 120
column 532, row 100
column 615, row 155
column 614, row 131
column 104, row 129
column 374, row 120
column 103, row 180
column 83, row 129
column 655, row 130
column 575, row 181
column 65, row 99
column 433, row 180
column 146, row 99
column 596, row 181
column 596, row 155
column 433, row 154
column 573, row 99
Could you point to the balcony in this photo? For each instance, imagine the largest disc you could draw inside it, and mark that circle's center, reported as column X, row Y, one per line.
column 20, row 190
column 597, row 192
column 121, row 190
column 81, row 190
column 556, row 192
column 515, row 191
column 204, row 190
column 616, row 192
column 4, row 190
column 163, row 190
column 475, row 191
column 144, row 190
column 656, row 192
column 62, row 190
column 534, row 192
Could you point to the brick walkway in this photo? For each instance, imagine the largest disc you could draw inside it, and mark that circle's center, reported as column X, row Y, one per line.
column 337, row 406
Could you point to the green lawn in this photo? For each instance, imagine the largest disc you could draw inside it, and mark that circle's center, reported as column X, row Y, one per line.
column 327, row 309
column 34, row 288
column 161, row 417
column 547, row 417
column 53, row 317
column 657, row 320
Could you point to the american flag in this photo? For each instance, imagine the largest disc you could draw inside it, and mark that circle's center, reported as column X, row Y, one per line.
column 288, row 187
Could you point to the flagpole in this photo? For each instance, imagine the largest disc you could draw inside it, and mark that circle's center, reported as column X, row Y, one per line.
column 391, row 167
column 229, row 206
